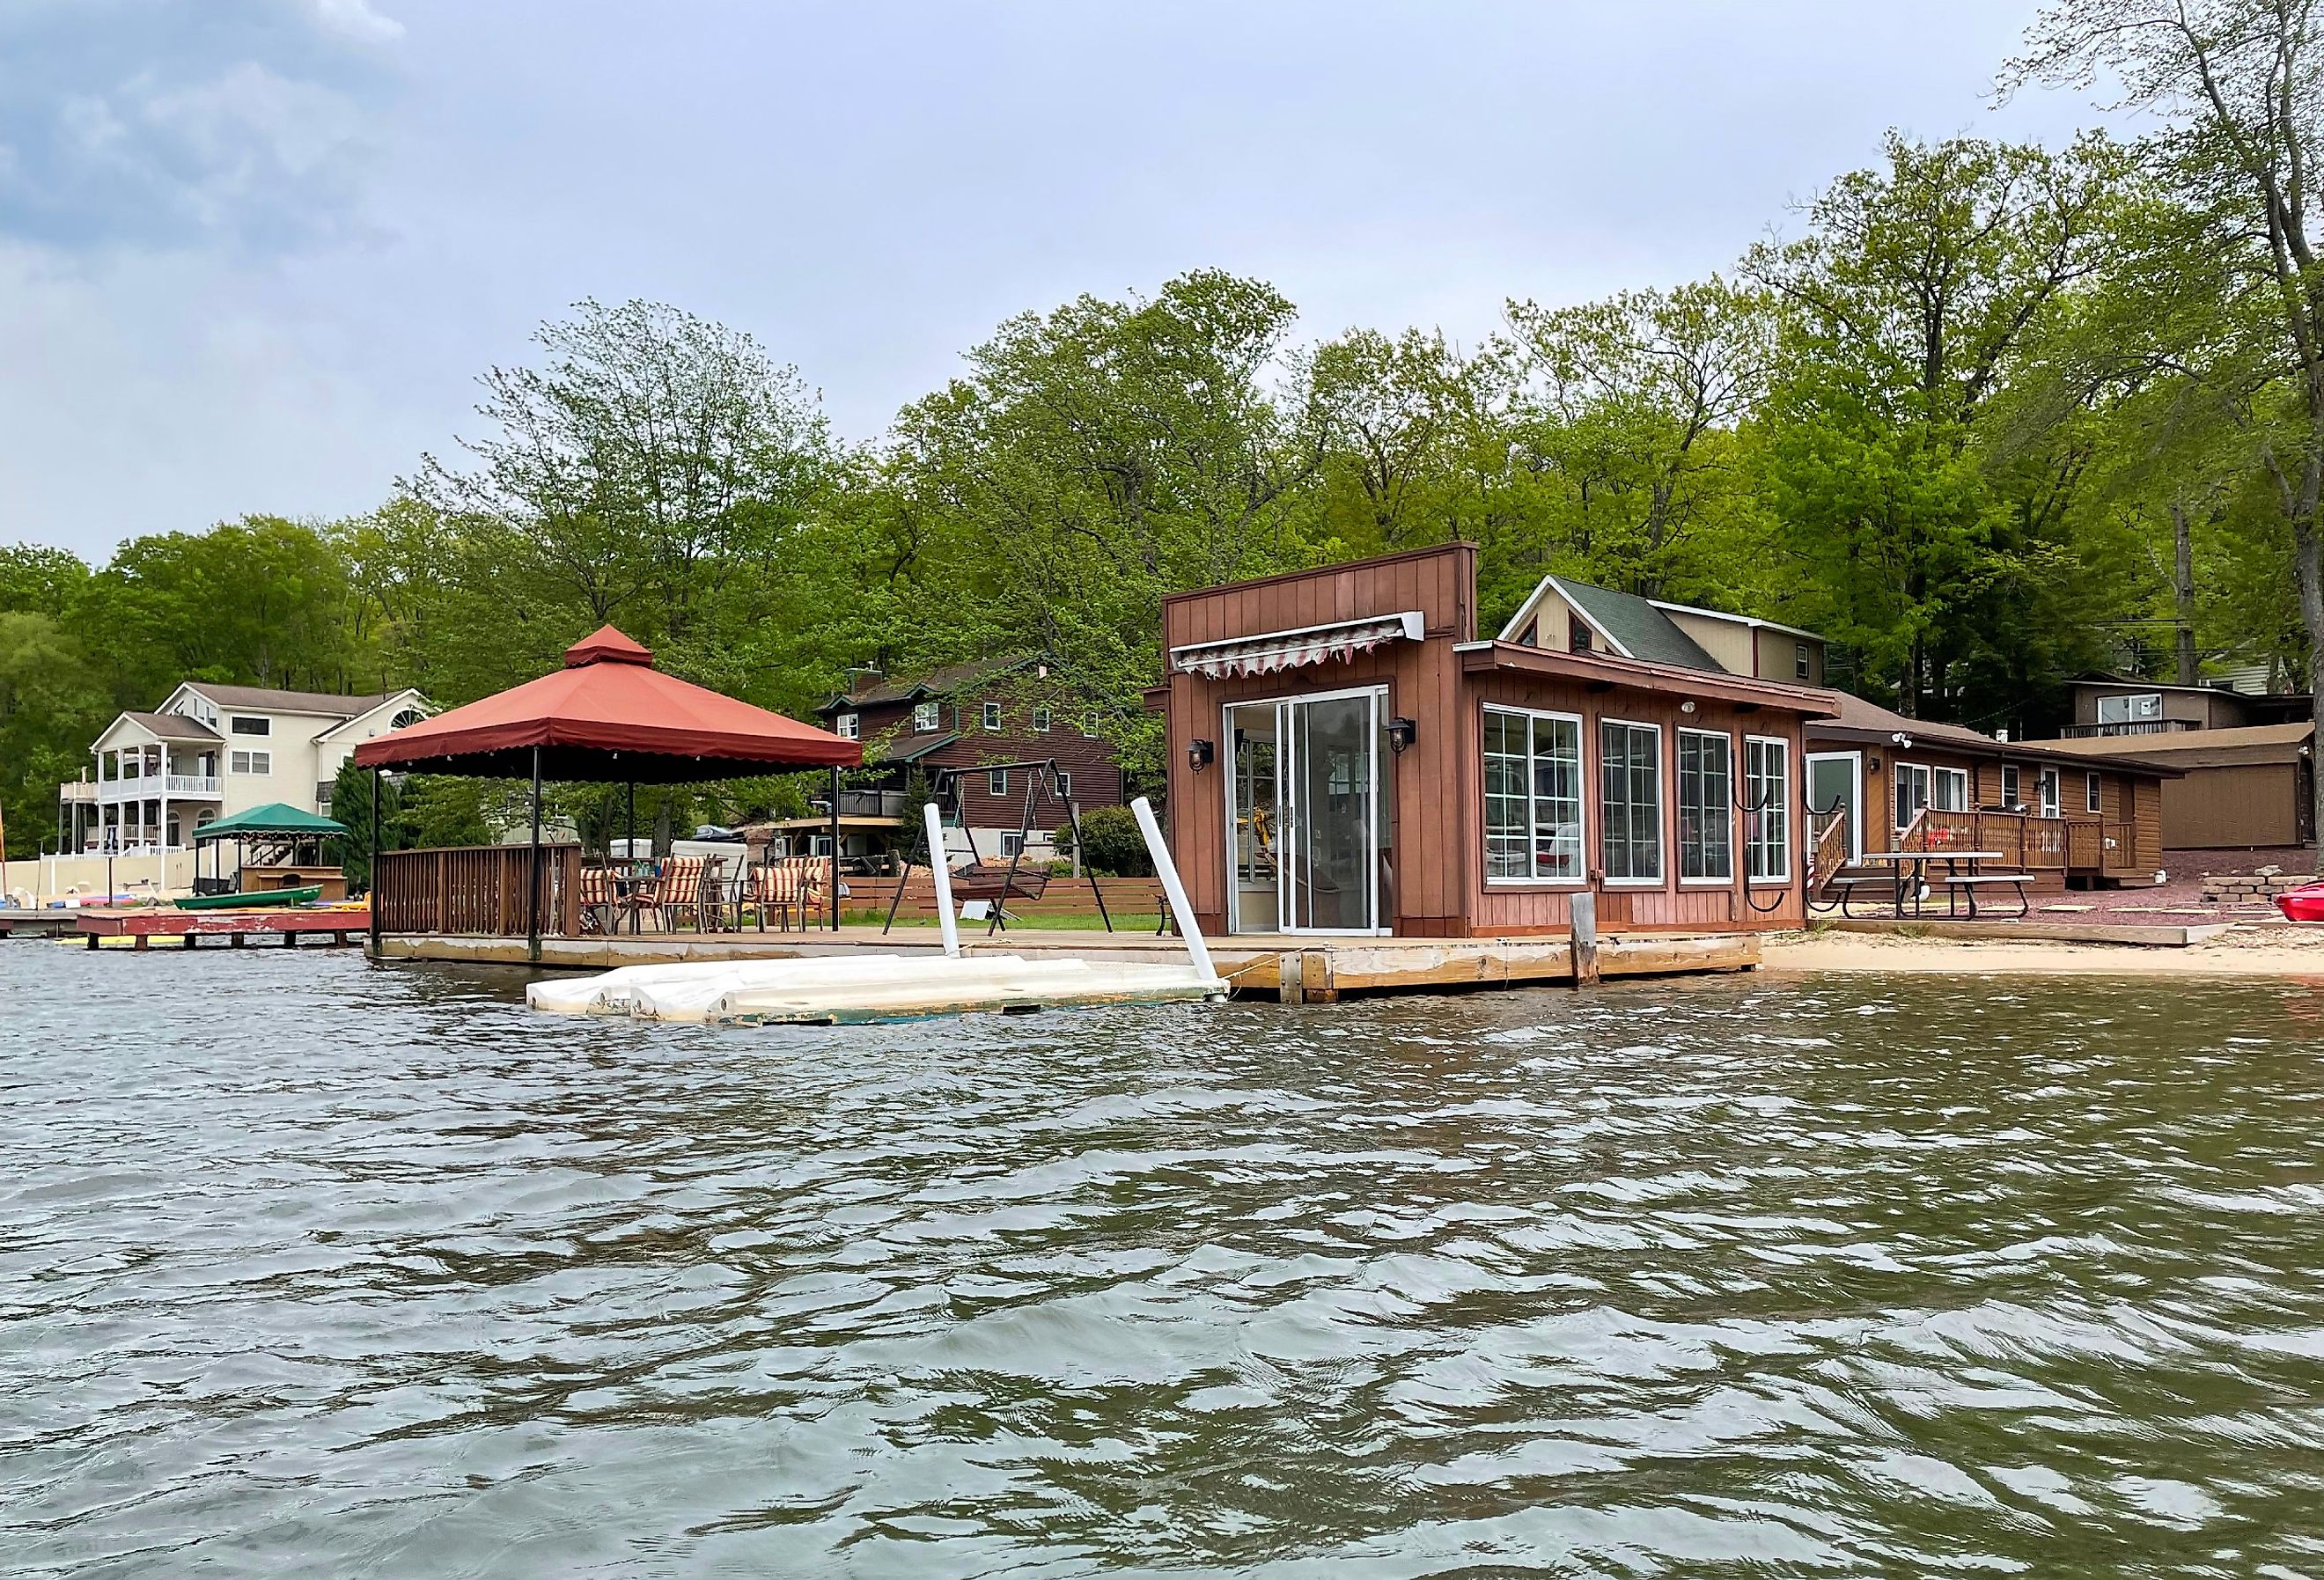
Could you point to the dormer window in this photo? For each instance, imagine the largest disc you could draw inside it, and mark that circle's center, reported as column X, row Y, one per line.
column 851, row 726
column 1578, row 636
column 924, row 717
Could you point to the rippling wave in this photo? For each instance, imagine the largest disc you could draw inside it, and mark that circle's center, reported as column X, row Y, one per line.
column 306, row 1267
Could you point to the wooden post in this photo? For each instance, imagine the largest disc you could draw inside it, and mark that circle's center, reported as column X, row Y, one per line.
column 835, row 847
column 1581, row 907
column 372, row 888
column 532, row 871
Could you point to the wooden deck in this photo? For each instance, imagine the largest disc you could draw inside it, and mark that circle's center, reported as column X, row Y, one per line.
column 1300, row 969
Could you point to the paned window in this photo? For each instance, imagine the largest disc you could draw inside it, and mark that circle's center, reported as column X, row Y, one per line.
column 253, row 727
column 2093, row 792
column 996, row 781
column 2012, row 786
column 1767, row 791
column 1012, row 843
column 2048, row 785
column 1088, row 725
column 992, row 716
column 1706, row 817
column 1040, row 721
column 1800, row 666
column 253, row 763
column 1630, row 800
column 1533, row 796
column 924, row 717
column 1065, row 787
column 851, row 726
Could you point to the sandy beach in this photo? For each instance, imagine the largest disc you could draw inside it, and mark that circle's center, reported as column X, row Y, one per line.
column 2252, row 949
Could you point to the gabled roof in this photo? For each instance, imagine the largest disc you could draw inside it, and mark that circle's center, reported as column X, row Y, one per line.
column 409, row 695
column 879, row 691
column 319, row 704
column 1632, row 625
column 273, row 817
column 166, row 726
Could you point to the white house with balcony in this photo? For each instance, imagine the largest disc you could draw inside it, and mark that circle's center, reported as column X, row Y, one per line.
column 210, row 752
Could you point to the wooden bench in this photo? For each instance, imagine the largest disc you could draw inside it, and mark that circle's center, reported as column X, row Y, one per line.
column 1847, row 887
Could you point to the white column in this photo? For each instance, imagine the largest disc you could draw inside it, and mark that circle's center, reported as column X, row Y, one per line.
column 940, row 869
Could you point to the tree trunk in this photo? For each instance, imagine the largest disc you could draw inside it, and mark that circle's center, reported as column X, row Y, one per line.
column 661, row 825
column 2308, row 573
column 2182, row 591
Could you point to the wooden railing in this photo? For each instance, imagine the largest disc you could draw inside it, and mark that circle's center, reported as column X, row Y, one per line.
column 2032, row 844
column 477, row 888
column 1827, row 847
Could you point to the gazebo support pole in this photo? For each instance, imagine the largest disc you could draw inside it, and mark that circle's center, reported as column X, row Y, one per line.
column 370, row 884
column 532, row 881
column 835, row 847
column 630, row 843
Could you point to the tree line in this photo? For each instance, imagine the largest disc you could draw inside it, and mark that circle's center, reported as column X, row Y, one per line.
column 1994, row 415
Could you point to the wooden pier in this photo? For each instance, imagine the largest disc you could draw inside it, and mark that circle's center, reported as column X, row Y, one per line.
column 237, row 927
column 1289, row 969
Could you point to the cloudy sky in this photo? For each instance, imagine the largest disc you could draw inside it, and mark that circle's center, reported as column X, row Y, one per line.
column 254, row 252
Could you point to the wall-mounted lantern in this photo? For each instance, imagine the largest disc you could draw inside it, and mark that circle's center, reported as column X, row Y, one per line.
column 1401, row 732
column 1200, row 754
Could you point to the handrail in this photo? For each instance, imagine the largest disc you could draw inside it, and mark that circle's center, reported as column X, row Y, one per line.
column 477, row 888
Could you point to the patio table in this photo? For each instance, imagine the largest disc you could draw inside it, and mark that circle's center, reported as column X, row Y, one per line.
column 1913, row 869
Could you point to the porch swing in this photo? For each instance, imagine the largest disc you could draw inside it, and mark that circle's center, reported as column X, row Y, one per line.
column 993, row 884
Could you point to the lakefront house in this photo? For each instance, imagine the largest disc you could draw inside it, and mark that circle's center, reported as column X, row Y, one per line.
column 208, row 751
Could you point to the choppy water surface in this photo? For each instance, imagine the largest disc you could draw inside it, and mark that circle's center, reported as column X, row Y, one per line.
column 309, row 1268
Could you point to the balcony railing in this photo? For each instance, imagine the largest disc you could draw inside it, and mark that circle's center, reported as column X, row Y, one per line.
column 139, row 787
column 193, row 784
column 2134, row 727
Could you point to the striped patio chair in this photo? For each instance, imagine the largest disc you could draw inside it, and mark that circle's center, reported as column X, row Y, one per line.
column 598, row 899
column 678, row 895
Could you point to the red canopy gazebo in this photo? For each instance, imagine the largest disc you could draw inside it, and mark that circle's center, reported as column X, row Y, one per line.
column 607, row 716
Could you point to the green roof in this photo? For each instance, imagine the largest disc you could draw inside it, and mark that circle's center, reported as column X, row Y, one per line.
column 273, row 817
column 1645, row 631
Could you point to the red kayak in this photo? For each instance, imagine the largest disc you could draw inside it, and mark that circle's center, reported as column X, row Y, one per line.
column 2302, row 904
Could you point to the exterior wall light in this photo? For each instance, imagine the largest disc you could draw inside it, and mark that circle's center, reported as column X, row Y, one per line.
column 1200, row 754
column 1687, row 707
column 1401, row 733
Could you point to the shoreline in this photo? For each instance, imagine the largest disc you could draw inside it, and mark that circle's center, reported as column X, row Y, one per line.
column 2282, row 950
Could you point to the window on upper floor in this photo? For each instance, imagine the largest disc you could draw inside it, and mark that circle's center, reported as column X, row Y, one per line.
column 1089, row 724
column 992, row 716
column 851, row 726
column 1040, row 721
column 996, row 781
column 243, row 725
column 1801, row 667
column 405, row 719
column 925, row 716
column 1065, row 787
column 251, row 762
column 1578, row 635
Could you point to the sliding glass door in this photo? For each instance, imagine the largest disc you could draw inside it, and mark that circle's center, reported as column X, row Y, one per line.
column 1303, row 804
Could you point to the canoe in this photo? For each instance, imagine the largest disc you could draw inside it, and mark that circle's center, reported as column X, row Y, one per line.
column 2305, row 903
column 262, row 898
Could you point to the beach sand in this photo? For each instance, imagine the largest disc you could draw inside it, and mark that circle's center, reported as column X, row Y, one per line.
column 2252, row 949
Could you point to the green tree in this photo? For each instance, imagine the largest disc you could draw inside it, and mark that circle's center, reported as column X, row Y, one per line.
column 51, row 706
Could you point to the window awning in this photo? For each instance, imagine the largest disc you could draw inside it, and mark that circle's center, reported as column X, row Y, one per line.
column 1291, row 650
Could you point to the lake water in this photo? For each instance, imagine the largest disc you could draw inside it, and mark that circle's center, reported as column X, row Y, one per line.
column 309, row 1268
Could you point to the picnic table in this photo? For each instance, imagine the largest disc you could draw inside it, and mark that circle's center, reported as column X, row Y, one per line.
column 1910, row 878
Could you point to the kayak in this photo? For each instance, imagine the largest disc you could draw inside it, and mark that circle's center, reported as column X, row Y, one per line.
column 264, row 897
column 2302, row 904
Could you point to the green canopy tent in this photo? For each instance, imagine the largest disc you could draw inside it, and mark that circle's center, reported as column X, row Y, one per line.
column 275, row 820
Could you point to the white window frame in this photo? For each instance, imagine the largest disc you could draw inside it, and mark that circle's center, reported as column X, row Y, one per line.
column 996, row 781
column 1661, row 808
column 2130, row 708
column 2094, row 792
column 1088, row 725
column 1899, row 774
column 1959, row 779
column 993, row 719
column 1781, row 778
column 851, row 726
column 1011, row 844
column 1678, row 813
column 926, row 716
column 2048, row 794
column 265, row 725
column 1858, row 799
column 1802, row 668
column 254, row 764
column 2012, row 784
column 1065, row 786
column 1040, row 721
column 1532, row 828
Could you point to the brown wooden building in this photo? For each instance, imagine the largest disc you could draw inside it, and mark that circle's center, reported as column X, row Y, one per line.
column 968, row 719
column 1872, row 774
column 1346, row 756
column 2236, row 788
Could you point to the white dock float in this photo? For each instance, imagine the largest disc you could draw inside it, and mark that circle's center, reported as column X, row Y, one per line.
column 828, row 991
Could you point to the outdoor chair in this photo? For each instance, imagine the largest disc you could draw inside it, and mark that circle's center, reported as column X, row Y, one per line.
column 679, row 893
column 598, row 901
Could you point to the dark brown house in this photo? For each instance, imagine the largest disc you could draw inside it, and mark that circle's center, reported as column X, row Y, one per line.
column 1347, row 756
column 959, row 724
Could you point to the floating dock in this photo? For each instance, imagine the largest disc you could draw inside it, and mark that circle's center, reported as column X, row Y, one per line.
column 237, row 927
column 1291, row 968
column 867, row 987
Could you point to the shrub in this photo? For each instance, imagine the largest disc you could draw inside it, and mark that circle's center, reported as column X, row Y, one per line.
column 1112, row 846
